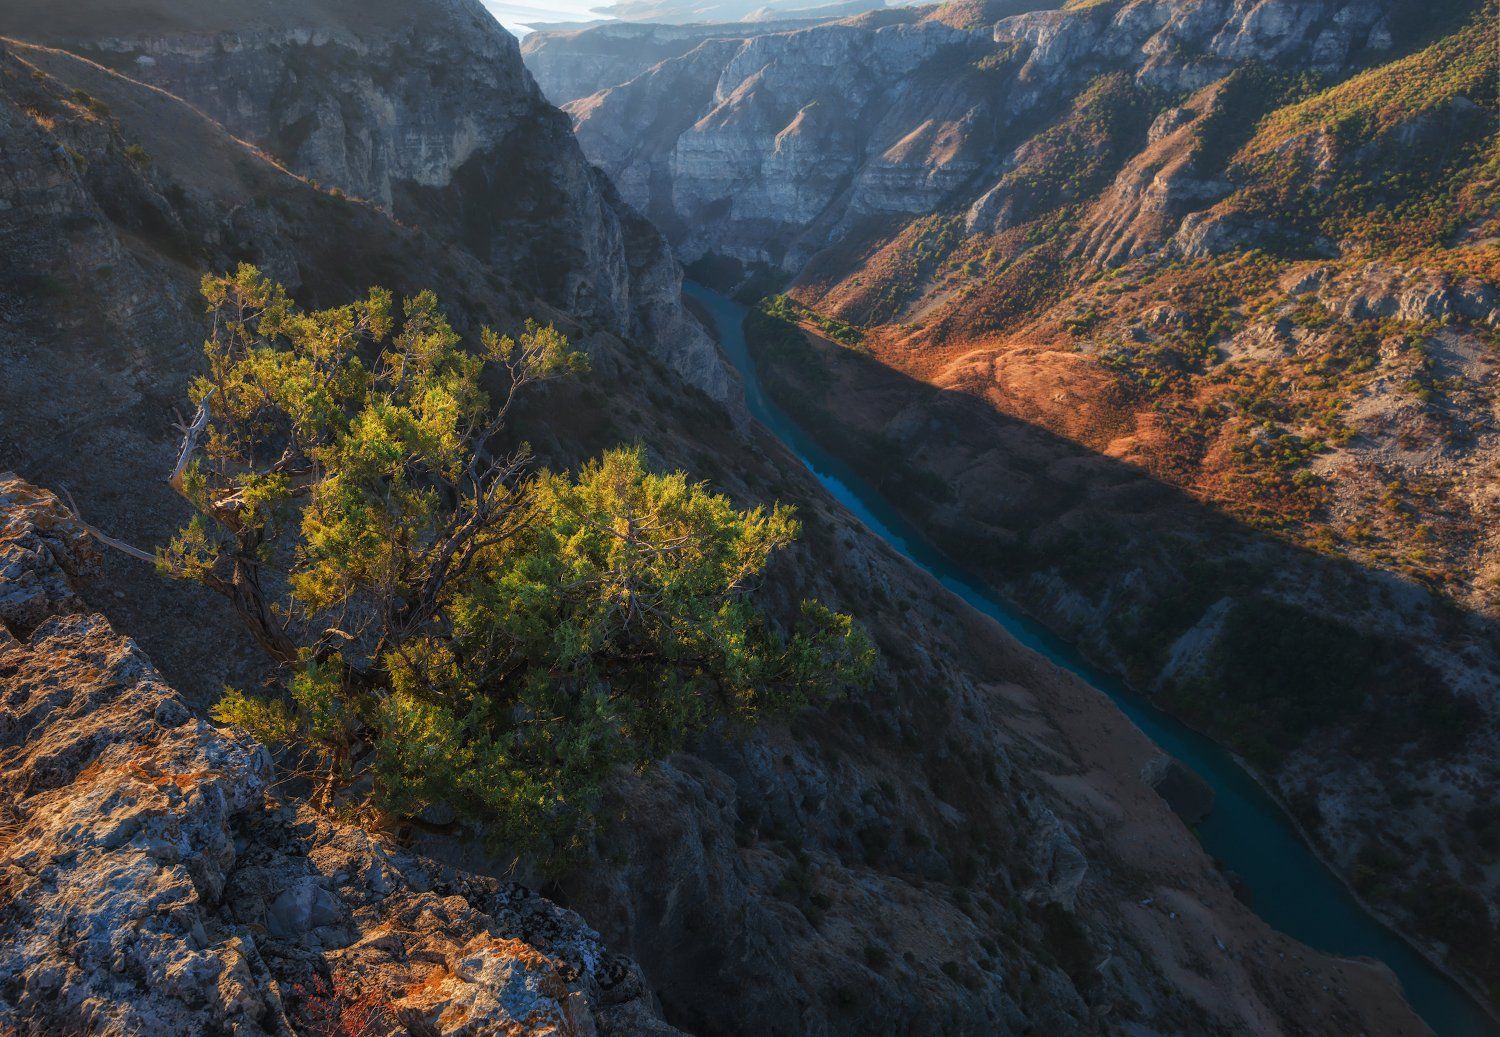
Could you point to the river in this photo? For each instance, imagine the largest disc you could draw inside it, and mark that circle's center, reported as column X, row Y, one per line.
column 1291, row 888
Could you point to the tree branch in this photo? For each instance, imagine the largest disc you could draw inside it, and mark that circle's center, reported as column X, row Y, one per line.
column 190, row 436
column 105, row 538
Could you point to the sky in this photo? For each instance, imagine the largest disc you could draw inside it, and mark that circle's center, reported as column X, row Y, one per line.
column 518, row 17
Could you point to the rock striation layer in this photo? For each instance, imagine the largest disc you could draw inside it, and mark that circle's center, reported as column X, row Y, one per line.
column 573, row 63
column 427, row 111
column 774, row 145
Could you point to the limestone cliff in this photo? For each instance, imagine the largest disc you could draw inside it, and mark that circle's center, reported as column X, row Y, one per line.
column 769, row 147
column 573, row 63
column 424, row 109
column 678, row 12
column 152, row 881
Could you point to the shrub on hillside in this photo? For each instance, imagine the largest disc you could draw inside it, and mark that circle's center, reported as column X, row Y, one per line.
column 463, row 629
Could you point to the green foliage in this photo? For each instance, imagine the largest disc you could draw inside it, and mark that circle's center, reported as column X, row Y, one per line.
column 1238, row 106
column 1268, row 648
column 1277, row 673
column 474, row 633
column 1077, row 156
column 92, row 103
column 783, row 342
column 1377, row 101
column 265, row 720
column 1000, row 62
column 914, row 256
column 785, row 308
column 1395, row 161
column 621, row 628
column 1457, row 916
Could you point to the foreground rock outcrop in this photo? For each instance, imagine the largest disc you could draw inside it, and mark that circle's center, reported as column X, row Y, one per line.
column 152, row 882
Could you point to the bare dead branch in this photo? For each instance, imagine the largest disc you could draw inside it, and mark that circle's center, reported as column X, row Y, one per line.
column 191, row 434
column 105, row 538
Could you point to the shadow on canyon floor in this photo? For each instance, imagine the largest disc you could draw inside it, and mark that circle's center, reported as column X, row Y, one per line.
column 1354, row 690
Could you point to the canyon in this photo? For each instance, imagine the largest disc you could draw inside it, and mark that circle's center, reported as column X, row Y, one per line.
column 1175, row 321
column 977, row 843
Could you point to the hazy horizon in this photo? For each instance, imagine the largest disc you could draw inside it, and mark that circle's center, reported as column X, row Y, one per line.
column 520, row 17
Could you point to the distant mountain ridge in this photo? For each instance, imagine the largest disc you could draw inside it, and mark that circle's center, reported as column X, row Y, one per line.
column 687, row 12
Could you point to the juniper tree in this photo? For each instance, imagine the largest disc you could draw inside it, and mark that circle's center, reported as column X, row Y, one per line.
column 466, row 629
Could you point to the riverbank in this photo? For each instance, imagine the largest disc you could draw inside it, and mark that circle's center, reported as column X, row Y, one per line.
column 1250, row 831
column 1485, row 1017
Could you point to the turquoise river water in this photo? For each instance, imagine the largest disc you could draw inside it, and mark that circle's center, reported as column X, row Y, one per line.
column 1290, row 887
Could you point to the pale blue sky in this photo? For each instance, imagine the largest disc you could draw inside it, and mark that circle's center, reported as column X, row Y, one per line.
column 517, row 15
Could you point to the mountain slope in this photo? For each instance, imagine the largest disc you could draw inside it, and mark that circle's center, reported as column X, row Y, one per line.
column 967, row 848
column 1181, row 314
column 426, row 111
column 902, row 117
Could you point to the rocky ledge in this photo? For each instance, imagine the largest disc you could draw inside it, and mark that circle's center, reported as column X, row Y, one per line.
column 151, row 880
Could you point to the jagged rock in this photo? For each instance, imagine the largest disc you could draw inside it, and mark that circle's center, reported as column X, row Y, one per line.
column 149, row 883
column 1414, row 294
column 1301, row 281
column 40, row 549
column 573, row 63
column 1059, row 861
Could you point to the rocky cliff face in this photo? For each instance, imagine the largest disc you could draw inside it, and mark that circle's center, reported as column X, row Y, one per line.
column 678, row 12
column 748, row 142
column 1108, row 273
column 427, row 111
column 784, row 143
column 573, row 63
column 151, row 881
